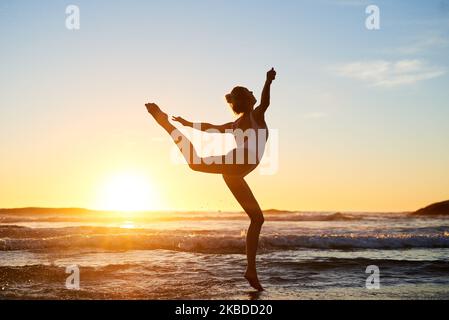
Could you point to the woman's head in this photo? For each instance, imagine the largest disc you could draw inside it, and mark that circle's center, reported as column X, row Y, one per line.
column 241, row 100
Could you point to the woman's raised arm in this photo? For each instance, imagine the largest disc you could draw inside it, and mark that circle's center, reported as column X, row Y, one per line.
column 265, row 99
column 203, row 126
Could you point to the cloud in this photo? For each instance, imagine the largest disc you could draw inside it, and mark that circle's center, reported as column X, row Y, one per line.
column 384, row 73
column 423, row 44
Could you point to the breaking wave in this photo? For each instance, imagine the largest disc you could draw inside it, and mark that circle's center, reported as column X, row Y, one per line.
column 21, row 238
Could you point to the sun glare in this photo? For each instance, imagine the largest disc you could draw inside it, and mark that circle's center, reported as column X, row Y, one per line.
column 127, row 192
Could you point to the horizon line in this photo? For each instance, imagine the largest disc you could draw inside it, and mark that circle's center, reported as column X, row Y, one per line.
column 199, row 210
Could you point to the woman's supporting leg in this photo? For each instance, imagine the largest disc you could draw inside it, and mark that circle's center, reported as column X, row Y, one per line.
column 245, row 197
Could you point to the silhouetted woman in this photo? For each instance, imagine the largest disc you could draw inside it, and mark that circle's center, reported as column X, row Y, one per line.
column 235, row 165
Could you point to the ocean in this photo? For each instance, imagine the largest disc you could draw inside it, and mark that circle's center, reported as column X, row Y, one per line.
column 201, row 255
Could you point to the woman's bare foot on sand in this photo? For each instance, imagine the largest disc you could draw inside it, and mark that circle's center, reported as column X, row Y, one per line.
column 158, row 115
column 251, row 276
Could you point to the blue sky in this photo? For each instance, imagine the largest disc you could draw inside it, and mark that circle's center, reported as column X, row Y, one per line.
column 362, row 114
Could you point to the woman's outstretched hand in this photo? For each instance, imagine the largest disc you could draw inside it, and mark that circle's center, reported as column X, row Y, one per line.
column 271, row 75
column 151, row 106
column 181, row 120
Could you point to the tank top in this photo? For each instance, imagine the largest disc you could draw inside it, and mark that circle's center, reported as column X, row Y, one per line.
column 254, row 140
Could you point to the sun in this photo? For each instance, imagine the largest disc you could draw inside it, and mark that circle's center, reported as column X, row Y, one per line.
column 127, row 192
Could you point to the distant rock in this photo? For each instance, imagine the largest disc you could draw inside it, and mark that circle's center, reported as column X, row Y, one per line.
column 36, row 210
column 436, row 209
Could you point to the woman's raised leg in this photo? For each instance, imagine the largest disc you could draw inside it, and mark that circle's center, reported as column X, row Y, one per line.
column 215, row 164
column 245, row 197
column 184, row 144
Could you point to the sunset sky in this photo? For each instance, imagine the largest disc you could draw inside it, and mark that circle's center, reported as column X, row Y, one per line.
column 362, row 116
